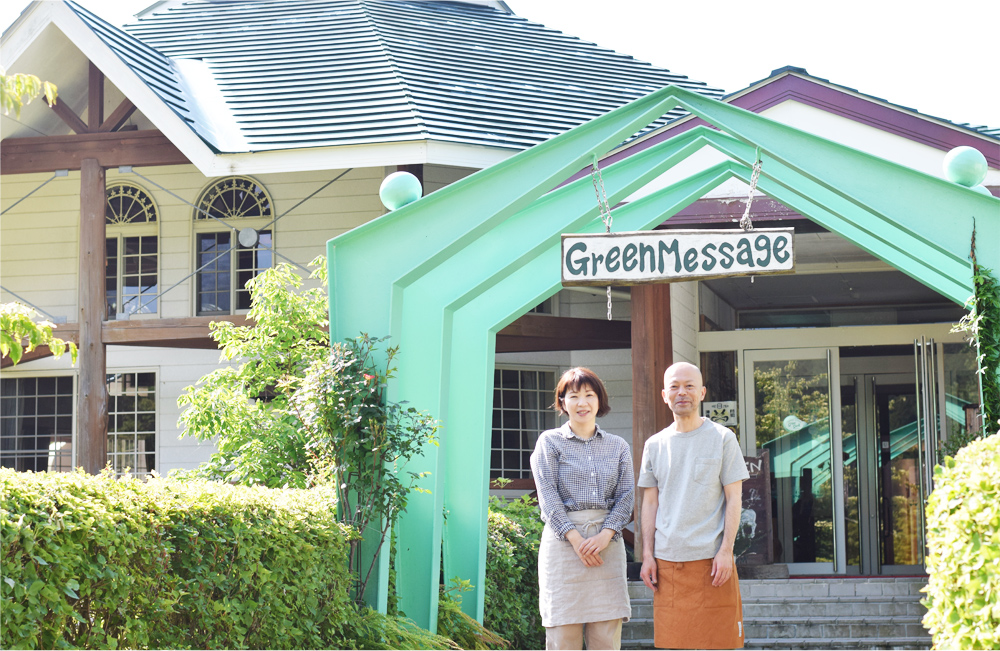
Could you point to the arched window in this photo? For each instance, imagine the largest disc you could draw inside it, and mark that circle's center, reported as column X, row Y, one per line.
column 132, row 247
column 229, row 254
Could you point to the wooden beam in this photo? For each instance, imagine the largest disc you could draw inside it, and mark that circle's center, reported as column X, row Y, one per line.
column 67, row 115
column 92, row 407
column 64, row 331
column 652, row 353
column 191, row 332
column 95, row 98
column 118, row 116
column 51, row 153
column 539, row 332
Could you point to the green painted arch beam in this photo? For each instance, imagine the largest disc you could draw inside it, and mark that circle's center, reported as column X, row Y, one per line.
column 422, row 304
column 895, row 244
column 408, row 273
column 906, row 197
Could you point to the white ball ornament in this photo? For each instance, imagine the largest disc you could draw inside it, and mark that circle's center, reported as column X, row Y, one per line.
column 981, row 189
column 965, row 165
column 399, row 189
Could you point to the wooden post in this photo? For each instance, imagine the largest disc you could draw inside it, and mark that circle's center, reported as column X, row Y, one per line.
column 92, row 409
column 95, row 99
column 652, row 353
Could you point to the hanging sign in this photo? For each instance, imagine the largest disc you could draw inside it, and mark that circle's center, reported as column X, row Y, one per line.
column 642, row 257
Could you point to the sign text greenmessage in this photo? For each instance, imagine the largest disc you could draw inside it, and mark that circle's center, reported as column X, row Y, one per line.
column 667, row 256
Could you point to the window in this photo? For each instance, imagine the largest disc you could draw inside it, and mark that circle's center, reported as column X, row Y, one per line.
column 226, row 258
column 132, row 251
column 219, row 287
column 36, row 423
column 521, row 400
column 132, row 422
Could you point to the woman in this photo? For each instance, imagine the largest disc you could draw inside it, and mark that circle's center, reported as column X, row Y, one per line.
column 585, row 490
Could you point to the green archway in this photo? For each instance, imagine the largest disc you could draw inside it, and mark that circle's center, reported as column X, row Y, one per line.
column 444, row 274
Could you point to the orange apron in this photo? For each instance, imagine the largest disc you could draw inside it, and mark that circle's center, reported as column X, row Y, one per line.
column 690, row 613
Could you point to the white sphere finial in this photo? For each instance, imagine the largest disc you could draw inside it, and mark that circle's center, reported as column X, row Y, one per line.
column 966, row 166
column 399, row 189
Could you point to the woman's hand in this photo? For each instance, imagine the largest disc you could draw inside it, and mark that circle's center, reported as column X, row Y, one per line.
column 577, row 540
column 597, row 544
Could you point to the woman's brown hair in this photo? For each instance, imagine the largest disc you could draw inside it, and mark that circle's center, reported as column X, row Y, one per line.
column 574, row 380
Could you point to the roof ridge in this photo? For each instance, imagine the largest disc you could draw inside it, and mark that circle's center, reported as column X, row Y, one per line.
column 401, row 79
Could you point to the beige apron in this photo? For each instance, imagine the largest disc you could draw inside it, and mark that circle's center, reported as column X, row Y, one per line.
column 572, row 593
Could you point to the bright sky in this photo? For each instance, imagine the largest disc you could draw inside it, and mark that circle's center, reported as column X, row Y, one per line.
column 932, row 57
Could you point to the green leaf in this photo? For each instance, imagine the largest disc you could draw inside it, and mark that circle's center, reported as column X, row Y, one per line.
column 36, row 587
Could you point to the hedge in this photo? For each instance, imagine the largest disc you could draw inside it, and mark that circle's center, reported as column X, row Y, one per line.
column 96, row 562
column 963, row 557
column 513, row 536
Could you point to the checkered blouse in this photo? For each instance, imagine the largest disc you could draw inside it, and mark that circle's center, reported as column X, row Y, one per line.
column 574, row 474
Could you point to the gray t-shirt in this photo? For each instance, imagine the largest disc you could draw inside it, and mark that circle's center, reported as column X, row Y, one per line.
column 690, row 470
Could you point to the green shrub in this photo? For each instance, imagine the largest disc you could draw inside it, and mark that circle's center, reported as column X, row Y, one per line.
column 94, row 562
column 963, row 541
column 514, row 535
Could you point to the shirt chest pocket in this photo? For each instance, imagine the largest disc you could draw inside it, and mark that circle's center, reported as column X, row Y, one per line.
column 706, row 471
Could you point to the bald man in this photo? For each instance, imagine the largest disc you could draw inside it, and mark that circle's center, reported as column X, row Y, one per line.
column 691, row 484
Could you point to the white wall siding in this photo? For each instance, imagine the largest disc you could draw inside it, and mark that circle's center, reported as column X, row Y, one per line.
column 438, row 176
column 614, row 367
column 684, row 321
column 39, row 247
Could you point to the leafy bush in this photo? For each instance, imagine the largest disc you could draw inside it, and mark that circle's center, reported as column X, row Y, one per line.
column 94, row 562
column 300, row 412
column 963, row 541
column 514, row 535
column 21, row 331
column 465, row 631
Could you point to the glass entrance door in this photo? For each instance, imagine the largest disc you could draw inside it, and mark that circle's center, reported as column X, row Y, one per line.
column 883, row 473
column 899, row 405
column 796, row 417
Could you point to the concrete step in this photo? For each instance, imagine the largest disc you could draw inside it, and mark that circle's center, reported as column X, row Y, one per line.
column 813, row 643
column 838, row 643
column 813, row 613
column 833, row 607
column 834, row 627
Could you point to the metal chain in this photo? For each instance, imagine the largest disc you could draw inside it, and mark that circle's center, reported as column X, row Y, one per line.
column 604, row 208
column 745, row 221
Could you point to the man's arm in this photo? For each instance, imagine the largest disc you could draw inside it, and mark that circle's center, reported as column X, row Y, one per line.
column 650, row 504
column 722, row 565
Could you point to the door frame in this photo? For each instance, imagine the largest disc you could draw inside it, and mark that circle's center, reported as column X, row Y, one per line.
column 748, row 435
column 787, row 339
column 870, row 519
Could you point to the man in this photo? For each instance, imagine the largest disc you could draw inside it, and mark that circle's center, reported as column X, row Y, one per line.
column 692, row 483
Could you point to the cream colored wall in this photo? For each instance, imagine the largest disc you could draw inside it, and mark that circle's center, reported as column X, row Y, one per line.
column 684, row 321
column 39, row 248
column 438, row 176
column 39, row 241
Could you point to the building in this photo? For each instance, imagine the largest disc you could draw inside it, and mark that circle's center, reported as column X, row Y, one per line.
column 837, row 336
column 286, row 126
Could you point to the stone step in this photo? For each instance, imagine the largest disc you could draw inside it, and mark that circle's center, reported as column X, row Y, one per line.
column 836, row 643
column 895, row 642
column 810, row 587
column 813, row 613
column 833, row 608
column 835, row 628
column 813, row 643
column 819, row 607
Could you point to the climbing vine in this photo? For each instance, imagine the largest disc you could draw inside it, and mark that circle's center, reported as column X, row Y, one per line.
column 983, row 325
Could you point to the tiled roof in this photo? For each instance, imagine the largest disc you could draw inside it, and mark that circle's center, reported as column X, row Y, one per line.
column 151, row 66
column 284, row 74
